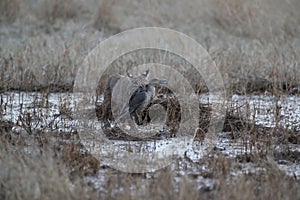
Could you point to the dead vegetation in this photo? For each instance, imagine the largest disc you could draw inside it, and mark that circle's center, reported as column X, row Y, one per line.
column 255, row 44
column 56, row 164
column 62, row 170
column 9, row 10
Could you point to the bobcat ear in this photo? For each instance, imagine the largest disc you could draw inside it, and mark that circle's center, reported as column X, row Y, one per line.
column 146, row 73
column 129, row 75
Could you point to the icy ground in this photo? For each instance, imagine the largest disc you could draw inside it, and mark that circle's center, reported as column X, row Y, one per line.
column 55, row 112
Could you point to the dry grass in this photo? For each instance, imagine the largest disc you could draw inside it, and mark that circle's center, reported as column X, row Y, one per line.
column 255, row 49
column 36, row 164
column 56, row 9
column 9, row 10
column 271, row 184
column 26, row 175
column 255, row 44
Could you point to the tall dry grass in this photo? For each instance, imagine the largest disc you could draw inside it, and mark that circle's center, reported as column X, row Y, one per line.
column 56, row 9
column 253, row 43
column 9, row 10
column 27, row 176
column 38, row 176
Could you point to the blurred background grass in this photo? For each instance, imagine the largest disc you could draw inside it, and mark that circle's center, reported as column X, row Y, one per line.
column 255, row 44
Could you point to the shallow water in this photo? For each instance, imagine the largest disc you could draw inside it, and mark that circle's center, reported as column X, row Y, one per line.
column 55, row 112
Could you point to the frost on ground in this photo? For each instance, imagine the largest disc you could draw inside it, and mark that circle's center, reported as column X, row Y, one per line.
column 55, row 112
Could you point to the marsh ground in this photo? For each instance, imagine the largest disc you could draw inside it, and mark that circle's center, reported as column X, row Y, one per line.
column 255, row 45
